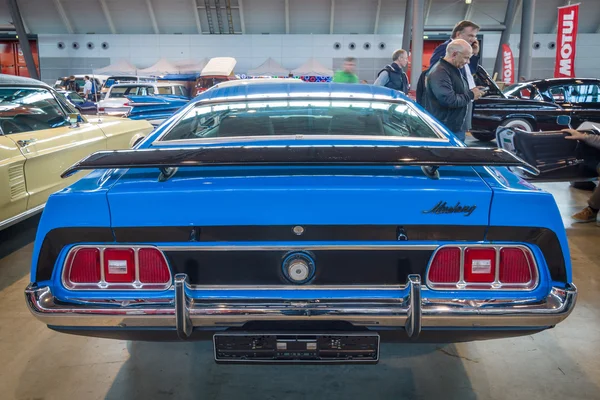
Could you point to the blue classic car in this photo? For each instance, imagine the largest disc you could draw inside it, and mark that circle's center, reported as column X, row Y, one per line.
column 301, row 222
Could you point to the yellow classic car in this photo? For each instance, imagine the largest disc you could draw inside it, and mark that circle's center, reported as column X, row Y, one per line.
column 40, row 137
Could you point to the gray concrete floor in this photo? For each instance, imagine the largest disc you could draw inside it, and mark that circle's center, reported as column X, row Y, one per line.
column 562, row 363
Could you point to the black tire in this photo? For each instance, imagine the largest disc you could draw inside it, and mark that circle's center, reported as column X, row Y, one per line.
column 584, row 185
column 484, row 136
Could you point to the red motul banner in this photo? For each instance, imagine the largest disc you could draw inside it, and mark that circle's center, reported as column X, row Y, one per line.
column 566, row 40
column 508, row 65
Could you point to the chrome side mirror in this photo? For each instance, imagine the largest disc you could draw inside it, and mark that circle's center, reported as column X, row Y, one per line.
column 74, row 120
column 563, row 120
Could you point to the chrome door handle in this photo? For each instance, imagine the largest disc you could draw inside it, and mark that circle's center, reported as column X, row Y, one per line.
column 25, row 142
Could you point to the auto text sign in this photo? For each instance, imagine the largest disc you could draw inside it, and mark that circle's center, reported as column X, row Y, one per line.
column 508, row 65
column 566, row 40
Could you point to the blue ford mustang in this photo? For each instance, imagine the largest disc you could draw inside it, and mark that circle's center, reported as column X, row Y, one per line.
column 301, row 222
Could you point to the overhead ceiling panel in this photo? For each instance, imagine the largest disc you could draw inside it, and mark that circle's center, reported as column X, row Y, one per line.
column 354, row 16
column 85, row 16
column 41, row 16
column 130, row 16
column 175, row 16
column 265, row 16
column 310, row 16
column 446, row 12
column 488, row 12
column 391, row 16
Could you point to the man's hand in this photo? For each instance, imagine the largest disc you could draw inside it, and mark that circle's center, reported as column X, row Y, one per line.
column 477, row 92
column 575, row 134
column 475, row 46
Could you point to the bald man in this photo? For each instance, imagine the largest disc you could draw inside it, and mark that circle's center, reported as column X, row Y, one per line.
column 447, row 94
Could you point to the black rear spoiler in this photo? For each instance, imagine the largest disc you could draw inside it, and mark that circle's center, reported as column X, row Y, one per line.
column 428, row 157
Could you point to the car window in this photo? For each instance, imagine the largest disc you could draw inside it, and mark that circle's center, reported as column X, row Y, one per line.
column 149, row 91
column 557, row 93
column 301, row 117
column 164, row 90
column 588, row 93
column 29, row 109
column 75, row 98
column 182, row 91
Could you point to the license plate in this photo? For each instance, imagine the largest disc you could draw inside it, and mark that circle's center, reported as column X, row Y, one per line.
column 248, row 347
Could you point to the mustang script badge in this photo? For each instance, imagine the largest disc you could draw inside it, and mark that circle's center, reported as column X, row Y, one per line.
column 443, row 208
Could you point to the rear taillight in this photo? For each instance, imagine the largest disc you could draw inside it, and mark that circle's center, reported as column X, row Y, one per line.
column 116, row 267
column 482, row 267
column 85, row 266
column 153, row 267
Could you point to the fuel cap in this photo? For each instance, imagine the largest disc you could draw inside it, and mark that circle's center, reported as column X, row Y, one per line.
column 298, row 268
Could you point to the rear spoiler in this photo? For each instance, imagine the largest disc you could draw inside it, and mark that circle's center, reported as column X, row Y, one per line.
column 428, row 157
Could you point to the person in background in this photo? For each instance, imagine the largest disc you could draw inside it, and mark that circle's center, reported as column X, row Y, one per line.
column 590, row 213
column 467, row 31
column 393, row 75
column 87, row 88
column 447, row 95
column 72, row 84
column 348, row 74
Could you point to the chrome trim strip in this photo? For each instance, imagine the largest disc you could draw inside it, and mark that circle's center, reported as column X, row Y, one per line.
column 215, row 313
column 21, row 217
column 305, row 287
column 294, row 137
column 207, row 246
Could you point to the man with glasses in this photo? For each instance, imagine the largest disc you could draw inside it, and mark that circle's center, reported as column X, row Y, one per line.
column 447, row 95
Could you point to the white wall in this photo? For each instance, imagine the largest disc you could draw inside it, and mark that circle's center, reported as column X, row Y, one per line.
column 289, row 50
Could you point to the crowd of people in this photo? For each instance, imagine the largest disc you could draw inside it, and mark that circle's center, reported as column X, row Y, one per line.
column 446, row 89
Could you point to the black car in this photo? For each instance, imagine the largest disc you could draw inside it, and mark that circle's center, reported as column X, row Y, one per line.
column 580, row 97
column 497, row 108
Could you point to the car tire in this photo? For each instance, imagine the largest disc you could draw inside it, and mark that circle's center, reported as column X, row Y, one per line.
column 484, row 136
column 583, row 185
column 518, row 123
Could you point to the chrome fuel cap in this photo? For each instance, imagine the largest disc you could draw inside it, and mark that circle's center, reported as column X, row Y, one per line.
column 298, row 268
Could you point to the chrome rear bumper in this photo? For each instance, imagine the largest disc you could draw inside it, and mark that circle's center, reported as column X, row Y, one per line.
column 410, row 312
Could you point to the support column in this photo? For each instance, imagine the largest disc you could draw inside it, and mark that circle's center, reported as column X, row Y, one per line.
column 418, row 25
column 406, row 34
column 509, row 19
column 15, row 14
column 526, row 39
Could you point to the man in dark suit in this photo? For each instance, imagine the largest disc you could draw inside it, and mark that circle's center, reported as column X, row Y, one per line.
column 467, row 31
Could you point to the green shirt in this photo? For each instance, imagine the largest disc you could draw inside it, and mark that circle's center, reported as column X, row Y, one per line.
column 345, row 77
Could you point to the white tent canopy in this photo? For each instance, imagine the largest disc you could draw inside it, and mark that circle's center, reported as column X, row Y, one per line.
column 269, row 67
column 312, row 68
column 221, row 66
column 122, row 66
column 162, row 67
column 190, row 66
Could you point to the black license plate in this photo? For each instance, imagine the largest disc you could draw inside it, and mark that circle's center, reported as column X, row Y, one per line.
column 248, row 347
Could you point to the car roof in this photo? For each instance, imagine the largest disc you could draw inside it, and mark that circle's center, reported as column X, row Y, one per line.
column 558, row 81
column 258, row 90
column 257, row 81
column 20, row 80
column 146, row 84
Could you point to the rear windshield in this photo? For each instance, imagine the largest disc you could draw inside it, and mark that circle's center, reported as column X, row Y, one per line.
column 301, row 117
column 122, row 91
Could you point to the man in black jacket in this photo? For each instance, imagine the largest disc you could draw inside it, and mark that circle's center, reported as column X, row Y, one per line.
column 392, row 75
column 447, row 96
